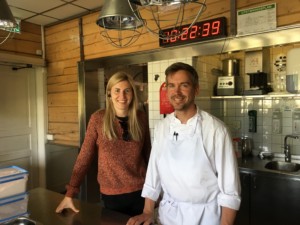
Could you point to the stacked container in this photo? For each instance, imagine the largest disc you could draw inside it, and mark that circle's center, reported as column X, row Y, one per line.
column 13, row 195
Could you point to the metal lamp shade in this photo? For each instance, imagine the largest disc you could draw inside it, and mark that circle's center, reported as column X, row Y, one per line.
column 156, row 17
column 7, row 19
column 159, row 2
column 118, row 15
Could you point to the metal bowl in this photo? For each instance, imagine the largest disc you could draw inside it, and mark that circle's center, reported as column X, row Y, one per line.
column 21, row 221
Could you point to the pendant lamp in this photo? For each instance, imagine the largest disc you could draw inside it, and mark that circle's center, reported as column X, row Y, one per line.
column 158, row 15
column 120, row 26
column 160, row 2
column 7, row 20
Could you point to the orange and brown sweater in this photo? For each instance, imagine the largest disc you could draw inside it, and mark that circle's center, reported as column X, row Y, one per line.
column 122, row 164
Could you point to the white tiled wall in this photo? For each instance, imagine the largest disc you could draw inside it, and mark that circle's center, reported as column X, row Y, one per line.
column 235, row 115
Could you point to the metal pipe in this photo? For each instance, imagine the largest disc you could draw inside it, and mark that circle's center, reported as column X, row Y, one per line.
column 287, row 150
column 233, row 18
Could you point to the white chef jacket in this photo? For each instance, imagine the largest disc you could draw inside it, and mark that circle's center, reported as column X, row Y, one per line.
column 195, row 166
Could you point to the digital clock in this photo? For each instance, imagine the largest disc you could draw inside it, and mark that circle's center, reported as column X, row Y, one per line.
column 200, row 31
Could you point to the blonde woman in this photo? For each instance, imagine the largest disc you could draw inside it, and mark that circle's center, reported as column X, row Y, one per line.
column 119, row 137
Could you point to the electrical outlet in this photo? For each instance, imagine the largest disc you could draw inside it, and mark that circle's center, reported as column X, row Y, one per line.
column 50, row 137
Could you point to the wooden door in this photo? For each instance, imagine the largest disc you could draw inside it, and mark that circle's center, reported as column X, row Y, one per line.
column 18, row 121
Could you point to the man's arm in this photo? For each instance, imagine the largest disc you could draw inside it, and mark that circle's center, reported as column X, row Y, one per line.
column 227, row 216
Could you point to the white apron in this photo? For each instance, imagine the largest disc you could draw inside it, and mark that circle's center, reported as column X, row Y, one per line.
column 188, row 179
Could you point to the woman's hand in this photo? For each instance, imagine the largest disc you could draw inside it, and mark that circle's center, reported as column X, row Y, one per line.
column 145, row 218
column 66, row 203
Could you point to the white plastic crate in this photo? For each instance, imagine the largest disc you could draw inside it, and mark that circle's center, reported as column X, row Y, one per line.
column 13, row 207
column 13, row 181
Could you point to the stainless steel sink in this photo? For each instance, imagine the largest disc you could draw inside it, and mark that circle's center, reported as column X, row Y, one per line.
column 283, row 166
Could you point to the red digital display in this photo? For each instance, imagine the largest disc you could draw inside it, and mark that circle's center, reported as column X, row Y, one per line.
column 200, row 31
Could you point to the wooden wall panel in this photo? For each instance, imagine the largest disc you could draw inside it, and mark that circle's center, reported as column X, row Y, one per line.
column 52, row 80
column 61, row 67
column 103, row 49
column 61, row 27
column 65, row 133
column 25, row 43
column 63, row 54
column 22, row 47
column 62, row 32
column 63, row 46
column 62, row 99
column 31, row 28
column 63, row 114
column 63, row 86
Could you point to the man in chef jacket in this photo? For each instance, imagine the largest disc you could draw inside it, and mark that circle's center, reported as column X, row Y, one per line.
column 192, row 162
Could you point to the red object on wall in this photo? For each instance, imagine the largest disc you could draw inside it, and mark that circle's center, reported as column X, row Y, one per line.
column 165, row 105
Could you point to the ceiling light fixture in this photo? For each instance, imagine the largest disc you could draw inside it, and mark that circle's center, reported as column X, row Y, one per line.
column 121, row 27
column 7, row 21
column 161, row 14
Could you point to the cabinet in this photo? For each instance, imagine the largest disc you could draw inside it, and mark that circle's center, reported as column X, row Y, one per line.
column 243, row 215
column 269, row 199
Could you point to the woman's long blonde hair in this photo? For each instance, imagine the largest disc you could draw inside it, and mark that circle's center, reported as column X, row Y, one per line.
column 134, row 127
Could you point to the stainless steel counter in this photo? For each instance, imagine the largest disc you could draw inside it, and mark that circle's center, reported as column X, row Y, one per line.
column 256, row 165
column 42, row 204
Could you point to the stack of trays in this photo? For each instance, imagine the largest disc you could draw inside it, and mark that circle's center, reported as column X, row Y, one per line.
column 13, row 195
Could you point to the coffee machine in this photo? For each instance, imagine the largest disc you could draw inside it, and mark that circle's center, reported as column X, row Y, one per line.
column 230, row 83
column 257, row 67
column 258, row 84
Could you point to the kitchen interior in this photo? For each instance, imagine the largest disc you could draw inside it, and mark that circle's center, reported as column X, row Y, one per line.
column 249, row 81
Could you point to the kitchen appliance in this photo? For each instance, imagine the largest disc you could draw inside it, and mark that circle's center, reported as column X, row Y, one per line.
column 293, row 71
column 257, row 67
column 258, row 84
column 230, row 83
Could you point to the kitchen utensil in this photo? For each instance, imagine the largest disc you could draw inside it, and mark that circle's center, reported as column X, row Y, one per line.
column 246, row 146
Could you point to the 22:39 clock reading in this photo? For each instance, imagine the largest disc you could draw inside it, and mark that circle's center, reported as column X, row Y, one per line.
column 200, row 31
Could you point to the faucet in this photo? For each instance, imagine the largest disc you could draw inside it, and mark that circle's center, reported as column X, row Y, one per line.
column 287, row 148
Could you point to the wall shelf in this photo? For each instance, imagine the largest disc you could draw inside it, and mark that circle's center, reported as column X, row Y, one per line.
column 257, row 96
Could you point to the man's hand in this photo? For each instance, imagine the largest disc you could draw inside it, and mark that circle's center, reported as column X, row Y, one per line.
column 145, row 218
